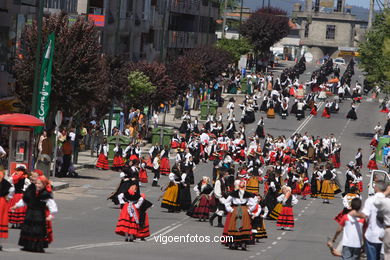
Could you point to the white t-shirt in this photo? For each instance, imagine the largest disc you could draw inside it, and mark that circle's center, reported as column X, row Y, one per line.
column 373, row 230
column 353, row 231
column 72, row 136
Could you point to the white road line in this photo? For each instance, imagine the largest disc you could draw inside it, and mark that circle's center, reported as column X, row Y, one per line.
column 274, row 243
column 252, row 256
column 303, row 211
column 283, row 233
column 306, row 121
column 269, row 247
column 296, row 219
column 97, row 208
column 278, row 238
column 165, row 232
column 306, row 207
column 263, row 250
column 299, row 215
column 258, row 253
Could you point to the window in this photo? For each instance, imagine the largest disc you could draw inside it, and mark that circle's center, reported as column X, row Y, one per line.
column 330, row 32
column 307, row 30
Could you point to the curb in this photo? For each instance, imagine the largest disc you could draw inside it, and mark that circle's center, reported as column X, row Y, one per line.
column 57, row 185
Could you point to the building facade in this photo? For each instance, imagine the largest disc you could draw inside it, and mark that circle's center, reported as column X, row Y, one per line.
column 324, row 31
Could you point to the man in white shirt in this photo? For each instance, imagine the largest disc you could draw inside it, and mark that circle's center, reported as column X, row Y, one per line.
column 374, row 229
column 352, row 228
column 383, row 206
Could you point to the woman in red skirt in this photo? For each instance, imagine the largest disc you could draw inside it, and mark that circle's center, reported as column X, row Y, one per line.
column 165, row 167
column 200, row 208
column 5, row 191
column 314, row 110
column 118, row 162
column 372, row 162
column 286, row 217
column 102, row 162
column 131, row 223
column 142, row 174
column 306, row 189
column 326, row 113
column 16, row 217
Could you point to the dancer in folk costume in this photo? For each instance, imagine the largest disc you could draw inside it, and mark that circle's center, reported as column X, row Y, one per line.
column 306, row 189
column 36, row 232
column 327, row 188
column 352, row 112
column 260, row 128
column 359, row 158
column 170, row 199
column 315, row 182
column 20, row 182
column 336, row 152
column 200, row 208
column 6, row 192
column 118, row 162
column 372, row 161
column 286, row 217
column 129, row 224
column 314, row 110
column 102, row 162
column 238, row 222
column 326, row 112
column 165, row 167
column 143, row 175
column 353, row 193
column 273, row 205
column 220, row 194
column 258, row 224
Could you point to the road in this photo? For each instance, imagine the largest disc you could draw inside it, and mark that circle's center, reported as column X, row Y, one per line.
column 84, row 226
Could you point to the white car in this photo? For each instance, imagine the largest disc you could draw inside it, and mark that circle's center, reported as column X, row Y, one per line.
column 339, row 61
column 377, row 175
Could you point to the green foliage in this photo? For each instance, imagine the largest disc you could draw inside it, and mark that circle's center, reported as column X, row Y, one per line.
column 235, row 47
column 139, row 84
column 375, row 52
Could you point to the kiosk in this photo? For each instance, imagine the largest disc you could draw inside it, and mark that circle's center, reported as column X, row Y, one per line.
column 21, row 133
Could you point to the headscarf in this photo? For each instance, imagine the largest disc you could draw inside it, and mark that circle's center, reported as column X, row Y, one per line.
column 46, row 183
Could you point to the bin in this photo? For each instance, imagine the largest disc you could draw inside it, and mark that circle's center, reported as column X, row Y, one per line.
column 208, row 107
column 122, row 141
column 244, row 86
column 167, row 133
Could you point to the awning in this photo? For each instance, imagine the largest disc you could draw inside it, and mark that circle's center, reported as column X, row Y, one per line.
column 20, row 120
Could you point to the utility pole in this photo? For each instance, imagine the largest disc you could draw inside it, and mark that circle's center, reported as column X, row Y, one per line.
column 263, row 3
column 224, row 19
column 242, row 4
column 269, row 4
column 371, row 14
column 386, row 4
column 37, row 58
column 164, row 31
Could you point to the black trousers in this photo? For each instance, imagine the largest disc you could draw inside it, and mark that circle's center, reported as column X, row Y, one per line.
column 66, row 158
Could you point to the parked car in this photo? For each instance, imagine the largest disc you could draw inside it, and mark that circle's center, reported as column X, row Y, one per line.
column 339, row 61
column 375, row 176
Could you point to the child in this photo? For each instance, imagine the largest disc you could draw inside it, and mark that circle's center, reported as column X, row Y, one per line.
column 143, row 175
column 20, row 181
column 258, row 224
column 306, row 189
column 372, row 161
column 102, row 162
column 118, row 162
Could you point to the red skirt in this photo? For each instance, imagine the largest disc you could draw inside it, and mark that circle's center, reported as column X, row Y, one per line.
column 335, row 161
column 374, row 142
column 224, row 147
column 313, row 111
column 102, row 162
column 266, row 188
column 165, row 167
column 341, row 215
column 134, row 157
column 16, row 216
column 175, row 145
column 144, row 231
column 183, row 145
column 143, row 176
column 286, row 217
column 306, row 190
column 226, row 229
column 325, row 114
column 49, row 228
column 126, row 224
column 202, row 210
column 297, row 189
column 118, row 162
column 385, row 110
column 372, row 165
column 3, row 218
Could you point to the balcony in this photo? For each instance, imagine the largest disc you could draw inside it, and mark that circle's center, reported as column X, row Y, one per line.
column 185, row 6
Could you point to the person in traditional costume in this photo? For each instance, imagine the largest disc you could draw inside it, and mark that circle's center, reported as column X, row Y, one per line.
column 102, row 162
column 327, row 188
column 271, row 197
column 118, row 162
column 336, row 152
column 20, row 182
column 353, row 193
column 306, row 189
column 156, row 170
column 300, row 110
column 260, row 133
column 36, row 232
column 128, row 179
column 286, row 216
column 315, row 182
column 128, row 224
column 352, row 112
column 238, row 222
column 165, row 166
column 372, row 161
column 6, row 193
column 284, row 109
column 170, row 199
column 220, row 194
column 359, row 158
column 270, row 109
column 326, row 112
column 258, row 224
column 200, row 208
column 142, row 174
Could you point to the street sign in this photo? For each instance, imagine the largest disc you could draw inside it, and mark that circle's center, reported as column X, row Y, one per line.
column 58, row 118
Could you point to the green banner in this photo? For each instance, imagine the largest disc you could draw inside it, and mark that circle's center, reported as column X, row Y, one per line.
column 45, row 81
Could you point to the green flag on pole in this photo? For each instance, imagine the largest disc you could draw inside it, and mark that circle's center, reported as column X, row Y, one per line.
column 44, row 87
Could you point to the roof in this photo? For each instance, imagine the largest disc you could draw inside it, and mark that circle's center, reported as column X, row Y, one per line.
column 20, row 120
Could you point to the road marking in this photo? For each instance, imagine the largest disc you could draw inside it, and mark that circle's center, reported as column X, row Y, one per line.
column 258, row 253
column 269, row 247
column 263, row 250
column 296, row 219
column 167, row 231
column 274, row 243
column 306, row 121
column 299, row 215
column 252, row 256
column 303, row 211
column 97, row 208
column 283, row 233
column 278, row 238
column 306, row 207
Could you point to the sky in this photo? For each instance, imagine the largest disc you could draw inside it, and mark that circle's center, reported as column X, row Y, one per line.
column 362, row 3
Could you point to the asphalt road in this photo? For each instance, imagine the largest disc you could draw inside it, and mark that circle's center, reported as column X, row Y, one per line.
column 84, row 226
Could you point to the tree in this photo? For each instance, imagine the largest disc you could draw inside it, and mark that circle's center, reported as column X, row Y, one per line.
column 374, row 53
column 139, row 85
column 182, row 72
column 236, row 47
column 165, row 89
column 208, row 62
column 77, row 79
column 266, row 27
